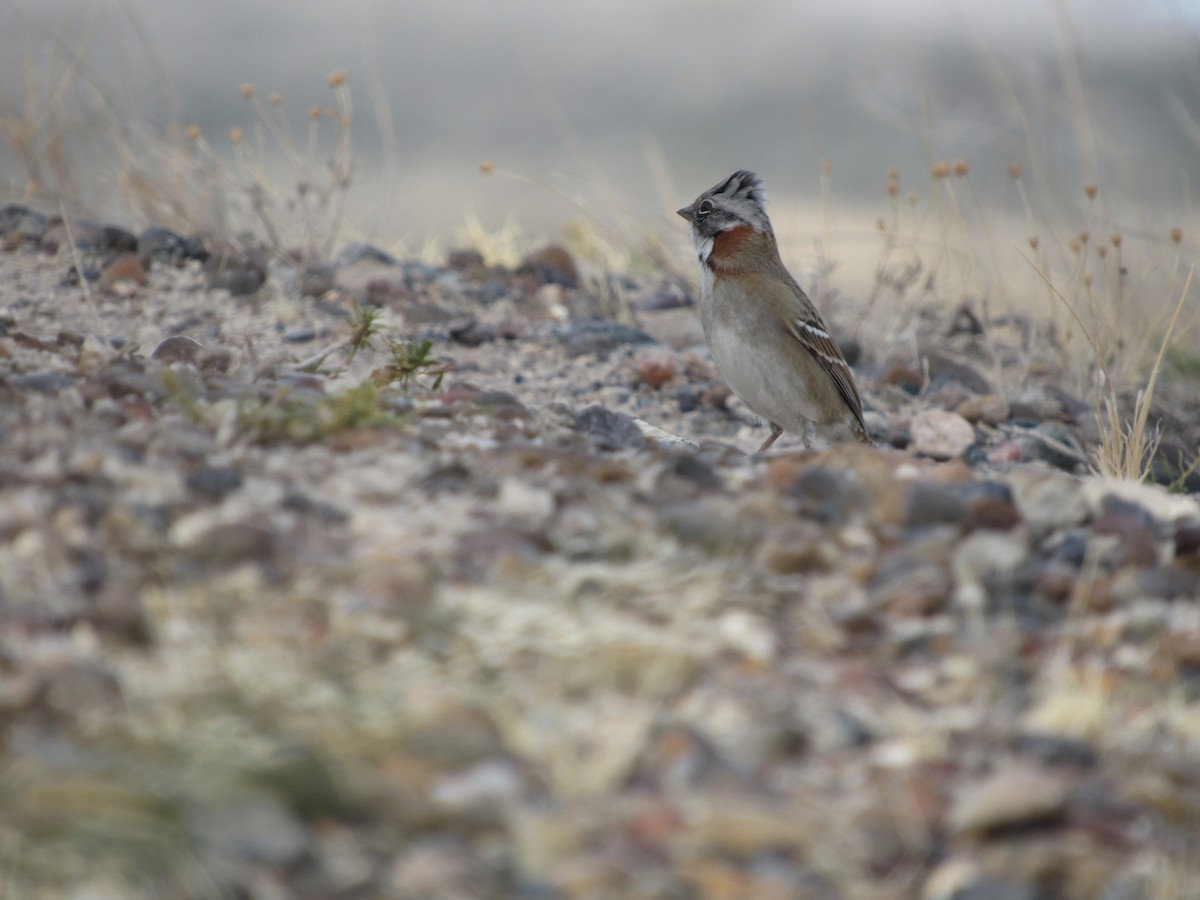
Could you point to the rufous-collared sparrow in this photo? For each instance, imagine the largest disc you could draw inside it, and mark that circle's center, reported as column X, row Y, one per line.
column 766, row 337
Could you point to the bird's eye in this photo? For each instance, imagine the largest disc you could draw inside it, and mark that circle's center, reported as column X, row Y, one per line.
column 705, row 207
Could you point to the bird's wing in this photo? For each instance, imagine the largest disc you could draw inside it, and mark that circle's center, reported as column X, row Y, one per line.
column 810, row 331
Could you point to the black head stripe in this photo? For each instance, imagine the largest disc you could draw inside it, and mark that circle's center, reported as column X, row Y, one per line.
column 742, row 184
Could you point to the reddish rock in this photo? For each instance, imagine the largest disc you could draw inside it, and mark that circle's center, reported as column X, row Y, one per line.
column 656, row 367
column 989, row 409
column 906, row 378
column 124, row 268
column 552, row 264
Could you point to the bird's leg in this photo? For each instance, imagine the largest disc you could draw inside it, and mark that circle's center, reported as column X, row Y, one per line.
column 776, row 431
column 809, row 434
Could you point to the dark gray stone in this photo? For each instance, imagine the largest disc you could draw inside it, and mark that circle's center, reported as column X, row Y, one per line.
column 1054, row 443
column 41, row 382
column 826, row 495
column 609, row 430
column 601, row 336
column 26, row 222
column 162, row 243
column 213, row 481
column 353, row 253
column 177, row 348
column 116, row 240
column 239, row 270
column 471, row 334
column 315, row 280
column 930, row 503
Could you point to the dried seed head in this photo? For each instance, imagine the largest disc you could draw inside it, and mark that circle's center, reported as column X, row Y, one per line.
column 486, row 167
column 235, row 134
column 1102, row 250
column 344, row 123
column 331, row 114
column 960, row 168
column 1116, row 239
column 276, row 99
column 337, row 78
column 1087, row 279
column 1177, row 235
column 1014, row 170
column 912, row 198
column 193, row 132
column 247, row 91
column 894, row 173
column 940, row 170
column 1091, row 190
column 1084, row 235
column 314, row 113
column 893, row 188
column 881, row 225
column 1075, row 245
column 826, row 167
column 1033, row 241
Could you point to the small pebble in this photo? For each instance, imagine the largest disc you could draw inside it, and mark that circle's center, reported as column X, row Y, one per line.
column 989, row 409
column 939, row 434
column 1054, row 443
column 164, row 244
column 1048, row 500
column 608, row 430
column 355, row 253
column 125, row 268
column 656, row 367
column 315, row 280
column 177, row 348
column 601, row 336
column 1014, row 794
column 929, row 503
column 239, row 270
column 552, row 264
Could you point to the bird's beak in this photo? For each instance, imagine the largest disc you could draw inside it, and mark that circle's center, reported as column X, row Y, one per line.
column 688, row 212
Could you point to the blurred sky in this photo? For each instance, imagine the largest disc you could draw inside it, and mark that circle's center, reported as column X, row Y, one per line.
column 642, row 104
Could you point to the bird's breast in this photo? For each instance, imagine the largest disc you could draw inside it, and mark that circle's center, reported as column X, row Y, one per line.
column 728, row 245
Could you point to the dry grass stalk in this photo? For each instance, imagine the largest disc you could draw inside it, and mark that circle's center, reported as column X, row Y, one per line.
column 317, row 204
column 83, row 282
column 1127, row 445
